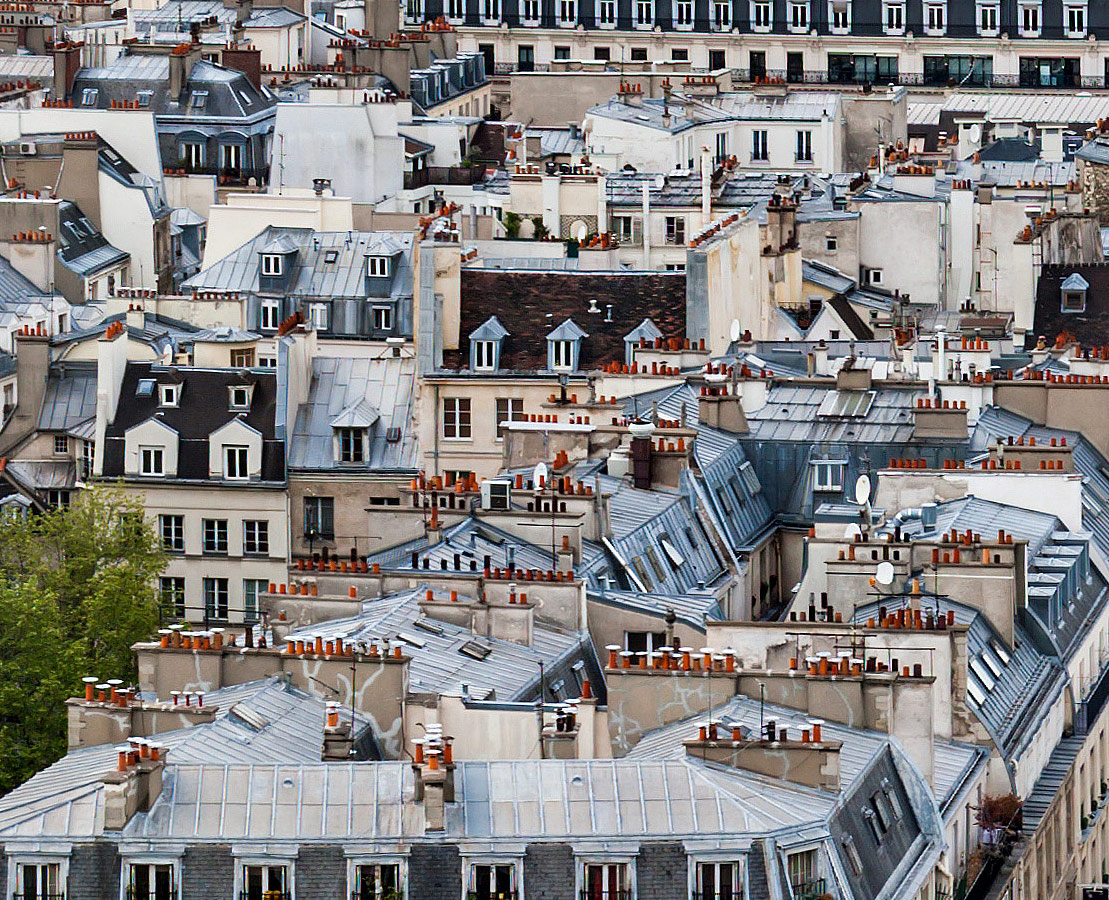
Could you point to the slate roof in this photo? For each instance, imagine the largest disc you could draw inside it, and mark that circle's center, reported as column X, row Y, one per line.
column 16, row 288
column 81, row 248
column 228, row 91
column 692, row 609
column 344, row 276
column 201, row 410
column 177, row 15
column 1090, row 327
column 340, row 384
column 510, row 671
column 541, row 301
column 738, row 190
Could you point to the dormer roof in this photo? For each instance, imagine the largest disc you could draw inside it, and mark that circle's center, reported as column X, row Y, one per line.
column 490, row 330
column 645, row 330
column 567, row 331
column 360, row 414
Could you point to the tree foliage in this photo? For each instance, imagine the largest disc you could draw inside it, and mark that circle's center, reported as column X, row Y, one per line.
column 77, row 589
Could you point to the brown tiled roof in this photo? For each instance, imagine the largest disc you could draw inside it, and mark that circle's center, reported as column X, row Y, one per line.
column 1090, row 327
column 530, row 305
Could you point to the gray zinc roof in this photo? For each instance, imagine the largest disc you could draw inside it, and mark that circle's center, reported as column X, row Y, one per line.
column 70, row 397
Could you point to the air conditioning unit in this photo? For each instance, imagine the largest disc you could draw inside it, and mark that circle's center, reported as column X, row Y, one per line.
column 1093, row 892
column 496, row 494
column 28, row 148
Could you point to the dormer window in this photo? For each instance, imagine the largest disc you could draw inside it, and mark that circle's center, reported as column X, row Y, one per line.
column 352, row 444
column 377, row 266
column 168, row 395
column 235, row 465
column 151, row 461
column 485, row 355
column 1073, row 292
column 198, row 100
column 564, row 347
column 239, row 397
column 271, row 264
column 485, row 345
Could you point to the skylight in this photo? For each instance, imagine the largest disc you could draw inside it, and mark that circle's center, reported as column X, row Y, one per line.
column 976, row 692
column 846, row 404
column 980, row 671
column 145, row 387
column 475, row 650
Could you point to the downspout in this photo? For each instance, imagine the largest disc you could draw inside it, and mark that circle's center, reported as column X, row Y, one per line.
column 435, row 452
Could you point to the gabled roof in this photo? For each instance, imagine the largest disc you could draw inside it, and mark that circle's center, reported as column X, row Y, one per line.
column 1074, row 282
column 645, row 331
column 567, row 331
column 489, row 330
column 359, row 414
column 282, row 243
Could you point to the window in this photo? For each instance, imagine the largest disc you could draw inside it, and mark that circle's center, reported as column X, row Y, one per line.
column 839, row 15
column 802, row 870
column 265, row 883
column 192, row 154
column 644, row 14
column 172, row 528
column 167, row 395
column 798, row 16
column 759, row 146
column 39, row 881
column 827, row 476
column 377, row 266
column 171, row 590
column 622, row 228
column 644, row 641
column 215, row 599
column 679, row 54
column 198, row 99
column 639, row 54
column 456, row 418
column 88, row 96
column 509, row 409
column 721, row 146
column 239, row 397
column 485, row 355
column 242, row 359
column 1049, row 72
column 492, row 881
column 215, row 536
column 804, row 146
column 605, row 881
column 383, row 318
column 721, row 20
column 606, row 12
column 961, row 70
column 675, row 229
column 352, row 444
column 252, row 588
column 61, row 443
column 150, row 881
column 719, row 881
column 143, row 98
column 271, row 314
column 602, row 54
column 567, row 12
column 454, row 9
column 150, row 461
column 988, row 16
column 272, row 264
column 88, row 454
column 491, row 10
column 531, row 11
column 1073, row 301
column 831, row 244
column 562, row 354
column 235, row 463
column 319, row 518
column 935, row 17
column 57, row 499
column 761, row 15
column 317, row 316
column 379, row 881
column 1074, row 19
column 893, row 16
column 256, row 537
column 683, row 13
column 1028, row 19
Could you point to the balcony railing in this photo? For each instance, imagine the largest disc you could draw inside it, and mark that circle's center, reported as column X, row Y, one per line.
column 133, row 894
column 605, row 895
column 40, row 896
column 491, row 895
column 808, row 890
column 265, row 895
column 458, row 175
column 734, row 894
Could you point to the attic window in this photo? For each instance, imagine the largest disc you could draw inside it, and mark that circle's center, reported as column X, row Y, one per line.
column 418, row 642
column 198, row 100
column 331, row 256
column 145, row 387
column 143, row 98
column 392, row 435
column 827, row 476
column 377, row 266
column 352, row 445
column 88, row 96
column 485, row 355
column 240, row 398
column 1074, row 301
column 672, row 553
column 475, row 650
column 271, row 264
column 167, row 395
column 562, row 354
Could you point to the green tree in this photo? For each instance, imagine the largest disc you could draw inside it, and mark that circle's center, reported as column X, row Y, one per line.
column 78, row 588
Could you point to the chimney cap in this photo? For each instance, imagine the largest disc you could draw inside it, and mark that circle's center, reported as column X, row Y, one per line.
column 114, row 682
column 90, row 679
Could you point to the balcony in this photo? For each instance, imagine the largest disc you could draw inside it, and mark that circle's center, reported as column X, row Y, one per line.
column 135, row 894
column 38, row 896
column 491, row 895
column 265, row 895
column 605, row 895
column 457, row 175
column 809, row 889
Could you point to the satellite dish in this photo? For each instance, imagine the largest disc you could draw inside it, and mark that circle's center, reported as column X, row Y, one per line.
column 735, row 332
column 851, row 532
column 862, row 490
column 975, row 133
column 884, row 574
column 540, row 474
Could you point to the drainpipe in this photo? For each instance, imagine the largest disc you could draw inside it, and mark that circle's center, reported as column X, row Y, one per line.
column 647, row 225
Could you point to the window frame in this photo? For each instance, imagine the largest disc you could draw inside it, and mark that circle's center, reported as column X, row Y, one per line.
column 127, row 863
column 236, row 462
column 258, row 542
column 171, row 530
column 319, row 505
column 803, row 149
column 827, row 475
column 889, row 7
column 761, row 16
column 356, row 863
column 273, row 265
column 350, row 445
column 513, row 411
column 156, row 453
column 800, row 17
column 61, row 443
column 268, row 309
column 216, row 592
column 459, row 426
column 218, row 546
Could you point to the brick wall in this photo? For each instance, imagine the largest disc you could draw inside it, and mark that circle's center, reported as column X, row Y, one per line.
column 661, row 871
column 321, row 873
column 434, row 871
column 207, row 872
column 549, row 872
column 93, row 872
